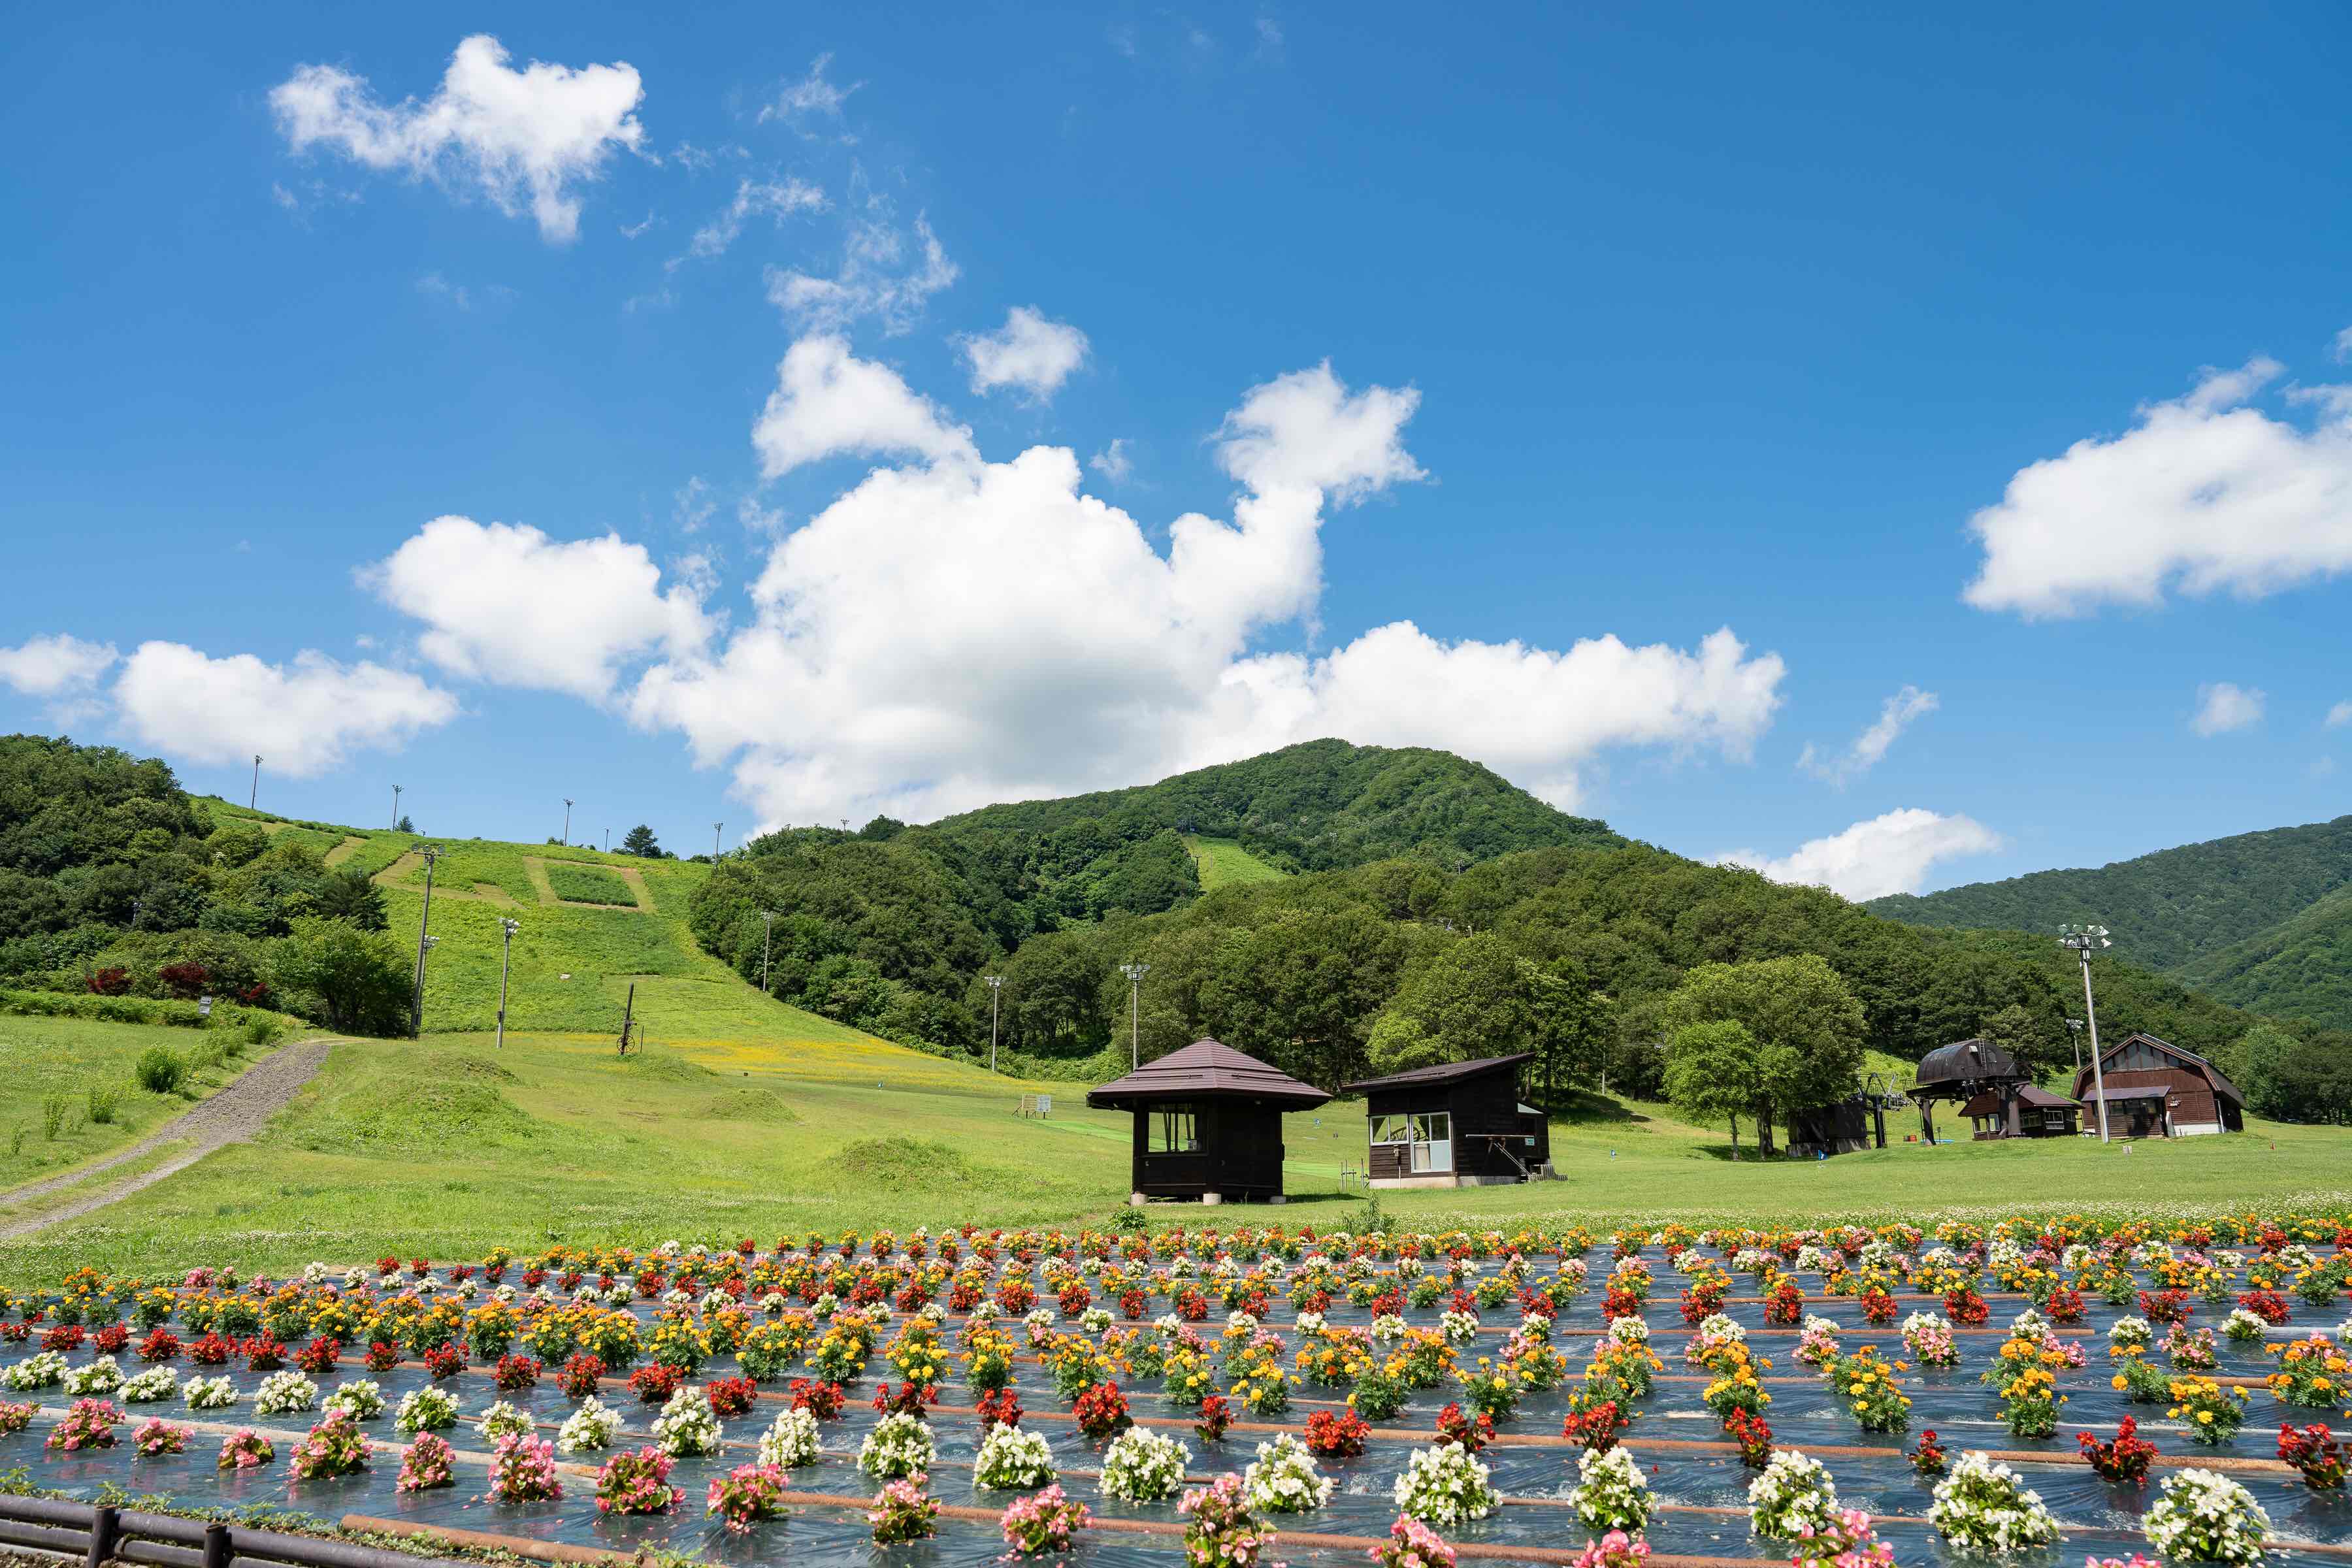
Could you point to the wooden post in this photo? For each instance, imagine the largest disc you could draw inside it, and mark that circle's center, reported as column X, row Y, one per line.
column 217, row 1550
column 105, row 1531
column 628, row 1016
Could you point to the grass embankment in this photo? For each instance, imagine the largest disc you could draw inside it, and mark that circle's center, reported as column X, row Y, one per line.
column 1224, row 860
column 447, row 1147
column 50, row 1068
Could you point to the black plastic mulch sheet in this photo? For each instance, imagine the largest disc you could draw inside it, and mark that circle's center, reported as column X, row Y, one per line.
column 1963, row 1412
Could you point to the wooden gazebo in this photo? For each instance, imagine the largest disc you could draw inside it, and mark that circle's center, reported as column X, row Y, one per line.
column 1208, row 1123
column 1457, row 1124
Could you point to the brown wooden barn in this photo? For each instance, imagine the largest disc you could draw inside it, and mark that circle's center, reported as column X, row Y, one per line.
column 1459, row 1124
column 2156, row 1089
column 2029, row 1111
column 1208, row 1123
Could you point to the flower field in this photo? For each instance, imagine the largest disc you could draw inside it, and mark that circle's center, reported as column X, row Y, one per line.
column 2036, row 1393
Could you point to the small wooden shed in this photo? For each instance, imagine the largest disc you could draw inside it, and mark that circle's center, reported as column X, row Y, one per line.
column 1208, row 1123
column 2156, row 1089
column 2030, row 1112
column 1458, row 1125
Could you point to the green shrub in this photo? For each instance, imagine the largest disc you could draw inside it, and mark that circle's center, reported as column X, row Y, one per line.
column 103, row 1104
column 53, row 1115
column 161, row 1070
column 260, row 1031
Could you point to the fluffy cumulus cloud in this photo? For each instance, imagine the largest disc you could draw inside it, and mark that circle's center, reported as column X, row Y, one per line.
column 55, row 668
column 525, row 139
column 1029, row 355
column 2225, row 705
column 828, row 403
column 1896, row 714
column 1889, row 854
column 2340, row 715
column 304, row 718
column 2204, row 494
column 510, row 604
column 953, row 630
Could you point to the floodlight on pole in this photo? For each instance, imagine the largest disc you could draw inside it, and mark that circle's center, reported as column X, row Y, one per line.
column 2082, row 940
column 767, row 941
column 254, row 803
column 395, row 809
column 423, row 944
column 1135, row 974
column 715, row 828
column 508, row 926
column 567, row 820
column 2074, row 1033
column 995, row 984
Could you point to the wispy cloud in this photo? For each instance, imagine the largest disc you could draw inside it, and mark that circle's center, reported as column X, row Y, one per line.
column 1896, row 715
column 2225, row 705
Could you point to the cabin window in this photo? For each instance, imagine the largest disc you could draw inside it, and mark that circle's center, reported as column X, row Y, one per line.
column 1173, row 1131
column 1428, row 1137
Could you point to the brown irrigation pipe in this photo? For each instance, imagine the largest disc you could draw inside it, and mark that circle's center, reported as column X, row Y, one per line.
column 520, row 1546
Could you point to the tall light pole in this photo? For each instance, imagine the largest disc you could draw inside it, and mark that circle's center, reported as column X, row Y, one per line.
column 1135, row 974
column 995, row 984
column 254, row 803
column 2074, row 1034
column 2082, row 940
column 767, row 941
column 416, row 1003
column 715, row 828
column 395, row 807
column 567, row 821
column 508, row 926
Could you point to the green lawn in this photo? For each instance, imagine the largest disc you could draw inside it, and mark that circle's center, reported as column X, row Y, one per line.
column 1223, row 860
column 588, row 885
column 63, row 1059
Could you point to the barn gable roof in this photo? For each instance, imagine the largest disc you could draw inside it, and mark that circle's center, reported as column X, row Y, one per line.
column 2186, row 1058
column 1441, row 1073
column 1206, row 1070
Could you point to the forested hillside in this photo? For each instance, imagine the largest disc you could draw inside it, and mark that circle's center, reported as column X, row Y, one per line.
column 1321, row 805
column 2261, row 920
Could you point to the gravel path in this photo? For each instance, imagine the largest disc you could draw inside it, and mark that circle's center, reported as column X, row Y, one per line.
column 232, row 1116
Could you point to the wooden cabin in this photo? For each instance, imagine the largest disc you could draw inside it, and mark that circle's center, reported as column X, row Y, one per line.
column 1208, row 1123
column 2156, row 1089
column 1459, row 1124
column 2028, row 1112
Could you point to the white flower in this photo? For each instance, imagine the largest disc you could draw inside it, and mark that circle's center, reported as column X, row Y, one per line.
column 2206, row 1518
column 1143, row 1465
column 899, row 1446
column 1610, row 1492
column 1793, row 1494
column 155, row 1382
column 1459, row 1328
column 1284, row 1478
column 425, row 1409
column 2130, row 1332
column 504, row 1420
column 209, row 1392
column 1628, row 1331
column 792, row 1441
column 1310, row 1324
column 686, row 1424
column 1012, row 1459
column 44, row 1370
column 362, row 1397
column 593, row 1425
column 1982, row 1507
column 282, row 1393
column 1445, row 1484
column 101, row 1376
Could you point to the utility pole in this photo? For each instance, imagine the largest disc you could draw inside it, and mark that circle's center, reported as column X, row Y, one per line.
column 608, row 841
column 2074, row 1034
column 396, row 806
column 567, row 821
column 767, row 941
column 995, row 984
column 508, row 926
column 715, row 829
column 2082, row 940
column 254, row 803
column 1135, row 974
column 423, row 942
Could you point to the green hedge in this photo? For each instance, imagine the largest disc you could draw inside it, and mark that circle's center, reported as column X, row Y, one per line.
column 134, row 1010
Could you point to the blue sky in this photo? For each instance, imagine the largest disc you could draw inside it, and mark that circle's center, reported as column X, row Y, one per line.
column 811, row 401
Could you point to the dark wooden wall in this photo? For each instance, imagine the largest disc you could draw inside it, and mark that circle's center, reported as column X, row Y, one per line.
column 1240, row 1154
column 1489, row 1103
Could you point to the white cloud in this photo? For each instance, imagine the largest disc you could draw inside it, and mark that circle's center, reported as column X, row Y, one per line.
column 1869, row 748
column 524, row 139
column 2204, row 495
column 691, row 507
column 956, row 630
column 509, row 604
column 773, row 199
column 827, row 403
column 1028, row 353
column 1889, row 854
column 1114, row 462
column 2224, row 706
column 885, row 274
column 304, row 719
column 57, row 667
column 2344, row 347
column 812, row 95
column 434, row 286
column 2339, row 714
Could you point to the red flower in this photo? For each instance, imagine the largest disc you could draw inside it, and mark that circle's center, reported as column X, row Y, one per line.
column 383, row 1355
column 1460, row 1430
column 1001, row 1408
column 1337, row 1436
column 318, row 1356
column 2125, row 1458
column 516, row 1372
column 1928, row 1458
column 1102, row 1411
column 2315, row 1451
column 1216, row 1415
column 160, row 1345
column 822, row 1400
column 1754, row 1437
column 262, row 1353
column 579, row 1379
column 654, row 1382
column 443, row 1361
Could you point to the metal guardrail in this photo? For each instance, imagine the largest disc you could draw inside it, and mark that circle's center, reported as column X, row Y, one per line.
column 99, row 1534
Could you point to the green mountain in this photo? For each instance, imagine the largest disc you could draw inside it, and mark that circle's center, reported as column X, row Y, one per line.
column 1321, row 805
column 2260, row 919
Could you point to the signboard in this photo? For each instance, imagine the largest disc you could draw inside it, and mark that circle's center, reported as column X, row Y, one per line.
column 203, row 1006
column 1044, row 1105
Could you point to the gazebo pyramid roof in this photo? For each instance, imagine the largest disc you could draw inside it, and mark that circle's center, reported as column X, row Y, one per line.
column 1206, row 1070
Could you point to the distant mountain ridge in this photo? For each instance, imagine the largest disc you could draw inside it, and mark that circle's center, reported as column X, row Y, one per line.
column 2261, row 920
